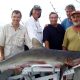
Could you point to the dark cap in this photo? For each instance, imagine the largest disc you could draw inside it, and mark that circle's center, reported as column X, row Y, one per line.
column 75, row 12
column 36, row 7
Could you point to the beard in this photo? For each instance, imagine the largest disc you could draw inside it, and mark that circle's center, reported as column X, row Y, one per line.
column 76, row 23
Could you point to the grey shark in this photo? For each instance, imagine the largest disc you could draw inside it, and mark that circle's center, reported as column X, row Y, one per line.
column 41, row 54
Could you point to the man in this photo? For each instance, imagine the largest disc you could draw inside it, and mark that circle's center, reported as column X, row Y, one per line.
column 67, row 21
column 72, row 34
column 53, row 33
column 33, row 27
column 72, row 41
column 13, row 36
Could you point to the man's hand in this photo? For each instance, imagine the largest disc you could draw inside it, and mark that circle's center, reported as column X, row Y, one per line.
column 1, row 58
column 69, row 61
column 1, row 53
column 18, row 69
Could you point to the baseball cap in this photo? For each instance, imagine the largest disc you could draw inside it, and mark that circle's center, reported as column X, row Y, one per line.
column 75, row 12
column 36, row 7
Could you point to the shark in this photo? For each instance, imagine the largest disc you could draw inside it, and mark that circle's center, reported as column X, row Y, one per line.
column 49, row 56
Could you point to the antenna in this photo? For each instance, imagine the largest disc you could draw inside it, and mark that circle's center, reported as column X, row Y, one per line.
column 54, row 10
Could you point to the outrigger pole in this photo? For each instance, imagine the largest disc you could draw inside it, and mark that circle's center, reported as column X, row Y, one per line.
column 54, row 10
column 77, row 1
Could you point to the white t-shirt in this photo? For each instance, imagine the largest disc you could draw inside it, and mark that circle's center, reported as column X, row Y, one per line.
column 34, row 29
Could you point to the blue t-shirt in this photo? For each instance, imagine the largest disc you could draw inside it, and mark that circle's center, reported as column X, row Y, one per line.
column 66, row 23
column 54, row 35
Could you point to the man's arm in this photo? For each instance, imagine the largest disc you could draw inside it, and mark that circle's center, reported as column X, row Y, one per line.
column 27, row 39
column 1, row 53
column 65, row 42
column 2, row 41
column 46, row 44
column 46, row 37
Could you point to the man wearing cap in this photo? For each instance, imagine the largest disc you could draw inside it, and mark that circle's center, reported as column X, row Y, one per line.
column 72, row 41
column 33, row 27
column 72, row 35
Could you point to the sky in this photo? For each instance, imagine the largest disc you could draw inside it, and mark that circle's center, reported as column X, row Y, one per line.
column 7, row 6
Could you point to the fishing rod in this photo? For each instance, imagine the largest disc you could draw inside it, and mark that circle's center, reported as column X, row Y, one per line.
column 77, row 1
column 55, row 10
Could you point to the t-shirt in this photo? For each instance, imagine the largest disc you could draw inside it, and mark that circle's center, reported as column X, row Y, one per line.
column 66, row 23
column 54, row 35
column 72, row 40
